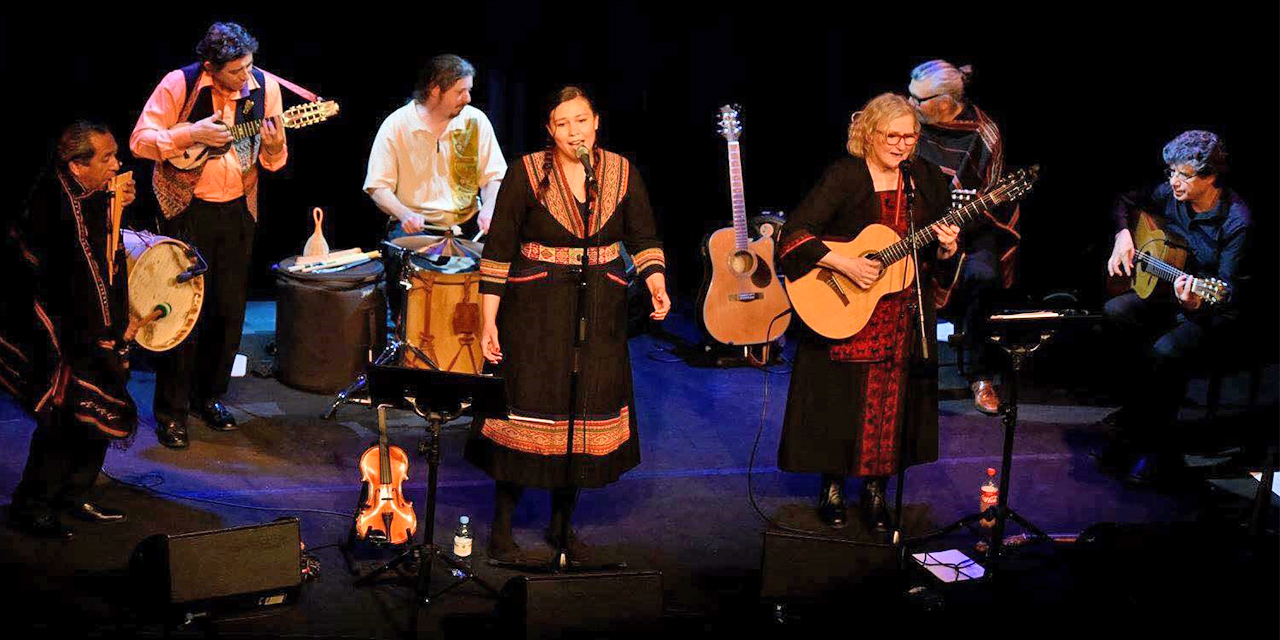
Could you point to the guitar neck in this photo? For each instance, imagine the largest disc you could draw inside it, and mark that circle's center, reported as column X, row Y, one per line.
column 246, row 129
column 739, row 200
column 958, row 217
column 1159, row 268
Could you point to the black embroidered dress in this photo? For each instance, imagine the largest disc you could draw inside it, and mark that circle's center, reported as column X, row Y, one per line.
column 532, row 259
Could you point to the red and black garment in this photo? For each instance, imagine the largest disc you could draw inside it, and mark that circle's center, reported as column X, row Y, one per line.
column 60, row 339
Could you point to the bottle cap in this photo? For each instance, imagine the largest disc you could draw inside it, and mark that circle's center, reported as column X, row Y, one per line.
column 991, row 471
column 464, row 520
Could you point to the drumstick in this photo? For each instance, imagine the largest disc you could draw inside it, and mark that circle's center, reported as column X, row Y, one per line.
column 135, row 324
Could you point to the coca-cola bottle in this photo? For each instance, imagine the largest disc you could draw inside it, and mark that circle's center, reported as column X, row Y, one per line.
column 990, row 496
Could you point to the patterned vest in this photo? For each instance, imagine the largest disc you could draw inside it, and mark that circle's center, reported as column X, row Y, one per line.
column 174, row 187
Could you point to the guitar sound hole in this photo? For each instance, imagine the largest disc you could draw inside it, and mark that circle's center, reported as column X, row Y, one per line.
column 742, row 262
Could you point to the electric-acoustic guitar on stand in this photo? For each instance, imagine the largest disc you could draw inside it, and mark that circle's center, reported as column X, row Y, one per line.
column 295, row 118
column 743, row 302
column 834, row 307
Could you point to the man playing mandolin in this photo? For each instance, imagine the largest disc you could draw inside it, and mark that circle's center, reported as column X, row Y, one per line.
column 213, row 206
column 1213, row 223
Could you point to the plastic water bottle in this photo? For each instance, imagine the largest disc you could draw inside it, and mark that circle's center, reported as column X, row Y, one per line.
column 462, row 540
column 990, row 496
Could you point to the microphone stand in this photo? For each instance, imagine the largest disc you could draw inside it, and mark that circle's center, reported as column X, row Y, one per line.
column 910, row 196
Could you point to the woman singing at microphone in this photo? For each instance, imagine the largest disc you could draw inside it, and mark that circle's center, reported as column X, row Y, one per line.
column 547, row 214
column 848, row 398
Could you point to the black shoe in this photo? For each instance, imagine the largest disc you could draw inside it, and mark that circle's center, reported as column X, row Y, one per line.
column 172, row 434
column 45, row 525
column 577, row 550
column 831, row 507
column 875, row 509
column 216, row 416
column 90, row 512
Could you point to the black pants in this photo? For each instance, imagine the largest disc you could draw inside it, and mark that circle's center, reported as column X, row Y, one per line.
column 62, row 465
column 979, row 279
column 199, row 369
column 1158, row 346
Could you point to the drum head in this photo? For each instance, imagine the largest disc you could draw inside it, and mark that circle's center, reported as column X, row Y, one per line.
column 445, row 254
column 153, row 274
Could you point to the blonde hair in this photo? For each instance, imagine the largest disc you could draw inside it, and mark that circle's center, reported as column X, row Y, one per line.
column 879, row 110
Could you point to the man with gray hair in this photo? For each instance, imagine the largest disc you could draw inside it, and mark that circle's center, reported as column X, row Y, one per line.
column 435, row 162
column 63, row 335
column 1195, row 204
column 958, row 137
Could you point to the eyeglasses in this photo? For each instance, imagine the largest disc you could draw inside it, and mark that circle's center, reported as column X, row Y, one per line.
column 920, row 100
column 894, row 138
column 1174, row 174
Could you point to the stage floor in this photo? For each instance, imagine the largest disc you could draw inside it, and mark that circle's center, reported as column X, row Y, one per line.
column 683, row 511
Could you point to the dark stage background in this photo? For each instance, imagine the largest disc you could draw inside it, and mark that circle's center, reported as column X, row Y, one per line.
column 1089, row 95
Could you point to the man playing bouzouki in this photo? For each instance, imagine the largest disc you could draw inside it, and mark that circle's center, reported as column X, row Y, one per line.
column 213, row 206
column 1213, row 222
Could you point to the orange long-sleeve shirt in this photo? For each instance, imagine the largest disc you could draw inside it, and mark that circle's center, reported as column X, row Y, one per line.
column 159, row 135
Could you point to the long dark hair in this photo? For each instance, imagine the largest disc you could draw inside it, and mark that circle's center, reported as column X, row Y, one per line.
column 556, row 99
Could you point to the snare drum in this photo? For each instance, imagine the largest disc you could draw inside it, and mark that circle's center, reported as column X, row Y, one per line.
column 154, row 264
column 442, row 309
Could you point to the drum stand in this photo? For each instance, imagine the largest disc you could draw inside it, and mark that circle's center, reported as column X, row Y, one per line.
column 392, row 354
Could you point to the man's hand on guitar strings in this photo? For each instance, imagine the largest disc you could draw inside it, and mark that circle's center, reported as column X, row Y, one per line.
column 1188, row 298
column 1121, row 261
column 210, row 132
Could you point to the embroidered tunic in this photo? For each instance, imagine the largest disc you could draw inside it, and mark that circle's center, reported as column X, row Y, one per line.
column 532, row 260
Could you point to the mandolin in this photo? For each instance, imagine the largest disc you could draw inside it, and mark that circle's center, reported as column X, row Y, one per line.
column 298, row 117
column 834, row 307
column 385, row 515
column 743, row 298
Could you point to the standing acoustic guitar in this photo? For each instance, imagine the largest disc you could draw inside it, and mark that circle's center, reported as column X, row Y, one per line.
column 834, row 307
column 743, row 299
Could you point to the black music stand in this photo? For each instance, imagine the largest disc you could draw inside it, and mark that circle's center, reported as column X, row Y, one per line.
column 437, row 397
column 1019, row 334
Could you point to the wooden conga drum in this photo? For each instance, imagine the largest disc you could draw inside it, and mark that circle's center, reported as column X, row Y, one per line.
column 154, row 264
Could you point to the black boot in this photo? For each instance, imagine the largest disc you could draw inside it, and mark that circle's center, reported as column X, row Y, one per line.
column 831, row 507
column 875, row 508
column 563, row 504
column 502, row 546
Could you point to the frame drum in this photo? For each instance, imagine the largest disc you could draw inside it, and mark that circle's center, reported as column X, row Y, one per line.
column 154, row 264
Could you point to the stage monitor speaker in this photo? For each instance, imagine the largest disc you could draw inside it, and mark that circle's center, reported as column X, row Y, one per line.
column 799, row 567
column 211, row 573
column 605, row 604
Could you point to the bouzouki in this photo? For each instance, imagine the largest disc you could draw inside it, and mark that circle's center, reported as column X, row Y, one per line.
column 295, row 118
column 386, row 515
column 1159, row 256
column 743, row 298
column 834, row 307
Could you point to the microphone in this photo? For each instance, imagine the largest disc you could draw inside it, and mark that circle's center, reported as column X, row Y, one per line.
column 584, row 156
column 905, row 168
column 905, row 165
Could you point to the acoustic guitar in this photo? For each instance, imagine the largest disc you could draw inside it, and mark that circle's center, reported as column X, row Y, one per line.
column 1158, row 258
column 743, row 298
column 296, row 118
column 834, row 307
